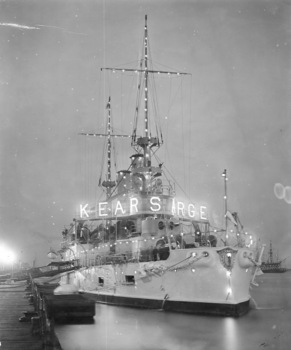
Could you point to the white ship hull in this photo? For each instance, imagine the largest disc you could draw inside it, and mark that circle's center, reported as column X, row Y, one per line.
column 201, row 280
column 147, row 245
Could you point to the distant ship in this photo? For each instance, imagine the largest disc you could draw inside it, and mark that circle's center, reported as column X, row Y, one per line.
column 272, row 266
column 142, row 246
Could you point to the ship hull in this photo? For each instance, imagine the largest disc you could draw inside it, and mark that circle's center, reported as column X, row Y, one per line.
column 215, row 309
column 212, row 281
column 273, row 268
column 281, row 270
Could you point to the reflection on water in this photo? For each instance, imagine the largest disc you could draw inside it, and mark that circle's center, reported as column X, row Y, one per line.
column 230, row 334
column 119, row 328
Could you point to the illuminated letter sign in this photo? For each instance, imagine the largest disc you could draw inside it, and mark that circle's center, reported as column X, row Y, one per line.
column 83, row 211
column 133, row 205
column 154, row 201
column 118, row 207
column 102, row 208
column 191, row 210
column 180, row 208
column 203, row 213
column 155, row 204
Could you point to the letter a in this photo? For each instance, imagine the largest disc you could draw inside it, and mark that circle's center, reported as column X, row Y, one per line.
column 119, row 207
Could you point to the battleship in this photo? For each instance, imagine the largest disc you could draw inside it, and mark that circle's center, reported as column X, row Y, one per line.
column 143, row 246
column 272, row 265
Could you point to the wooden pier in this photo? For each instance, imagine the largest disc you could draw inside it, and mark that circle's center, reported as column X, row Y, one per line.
column 64, row 308
column 28, row 314
column 16, row 335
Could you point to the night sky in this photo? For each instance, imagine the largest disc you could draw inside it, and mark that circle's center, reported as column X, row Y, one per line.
column 51, row 52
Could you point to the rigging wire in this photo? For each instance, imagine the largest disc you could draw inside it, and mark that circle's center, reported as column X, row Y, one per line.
column 99, row 103
column 151, row 83
column 102, row 161
column 173, row 95
column 190, row 127
column 154, row 99
column 82, row 166
column 113, row 145
column 174, row 180
column 155, row 107
column 86, row 178
column 183, row 138
column 139, row 93
column 137, row 105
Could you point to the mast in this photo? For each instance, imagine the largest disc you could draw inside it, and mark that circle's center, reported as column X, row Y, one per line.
column 108, row 183
column 146, row 78
column 271, row 253
column 225, row 205
column 146, row 141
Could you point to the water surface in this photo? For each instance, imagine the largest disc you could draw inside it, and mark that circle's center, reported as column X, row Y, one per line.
column 266, row 326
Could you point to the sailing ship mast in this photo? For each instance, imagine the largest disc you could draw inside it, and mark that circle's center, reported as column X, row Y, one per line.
column 270, row 260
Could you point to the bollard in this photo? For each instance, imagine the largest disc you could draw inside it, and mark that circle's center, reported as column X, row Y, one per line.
column 35, row 322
